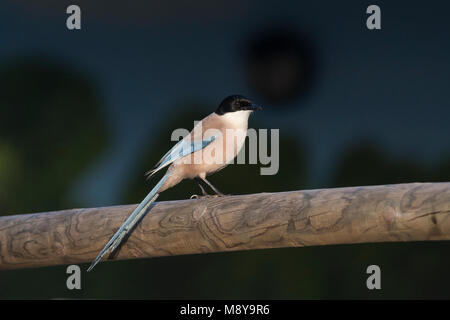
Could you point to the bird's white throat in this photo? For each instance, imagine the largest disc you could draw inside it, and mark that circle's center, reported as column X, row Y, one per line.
column 237, row 118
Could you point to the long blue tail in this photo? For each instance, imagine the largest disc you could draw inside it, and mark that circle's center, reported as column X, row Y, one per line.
column 130, row 222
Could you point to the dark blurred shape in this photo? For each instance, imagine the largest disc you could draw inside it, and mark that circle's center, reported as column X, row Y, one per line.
column 280, row 64
column 51, row 129
column 442, row 172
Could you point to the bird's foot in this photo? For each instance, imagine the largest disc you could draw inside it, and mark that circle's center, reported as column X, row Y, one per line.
column 195, row 196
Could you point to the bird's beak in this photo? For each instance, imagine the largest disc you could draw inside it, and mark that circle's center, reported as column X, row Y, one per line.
column 254, row 107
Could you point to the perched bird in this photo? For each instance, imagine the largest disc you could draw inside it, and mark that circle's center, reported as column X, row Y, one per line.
column 213, row 143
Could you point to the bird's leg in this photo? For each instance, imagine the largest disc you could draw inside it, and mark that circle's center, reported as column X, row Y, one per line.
column 201, row 187
column 220, row 194
column 204, row 193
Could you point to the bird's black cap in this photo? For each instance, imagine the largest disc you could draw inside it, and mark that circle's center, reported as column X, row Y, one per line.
column 234, row 103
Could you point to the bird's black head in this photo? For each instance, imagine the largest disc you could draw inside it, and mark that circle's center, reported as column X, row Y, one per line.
column 235, row 103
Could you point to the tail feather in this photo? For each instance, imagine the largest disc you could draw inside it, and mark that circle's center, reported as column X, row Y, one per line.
column 130, row 222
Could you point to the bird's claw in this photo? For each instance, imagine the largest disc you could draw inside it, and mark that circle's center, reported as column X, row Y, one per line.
column 195, row 196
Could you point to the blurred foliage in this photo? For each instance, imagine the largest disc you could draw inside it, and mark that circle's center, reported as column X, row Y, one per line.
column 51, row 129
column 365, row 163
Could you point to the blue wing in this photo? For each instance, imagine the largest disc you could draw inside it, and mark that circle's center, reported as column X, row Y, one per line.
column 180, row 150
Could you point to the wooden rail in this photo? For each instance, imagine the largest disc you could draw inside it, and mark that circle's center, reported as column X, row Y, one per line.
column 403, row 212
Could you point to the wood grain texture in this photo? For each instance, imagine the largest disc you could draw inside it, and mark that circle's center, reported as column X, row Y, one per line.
column 403, row 212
